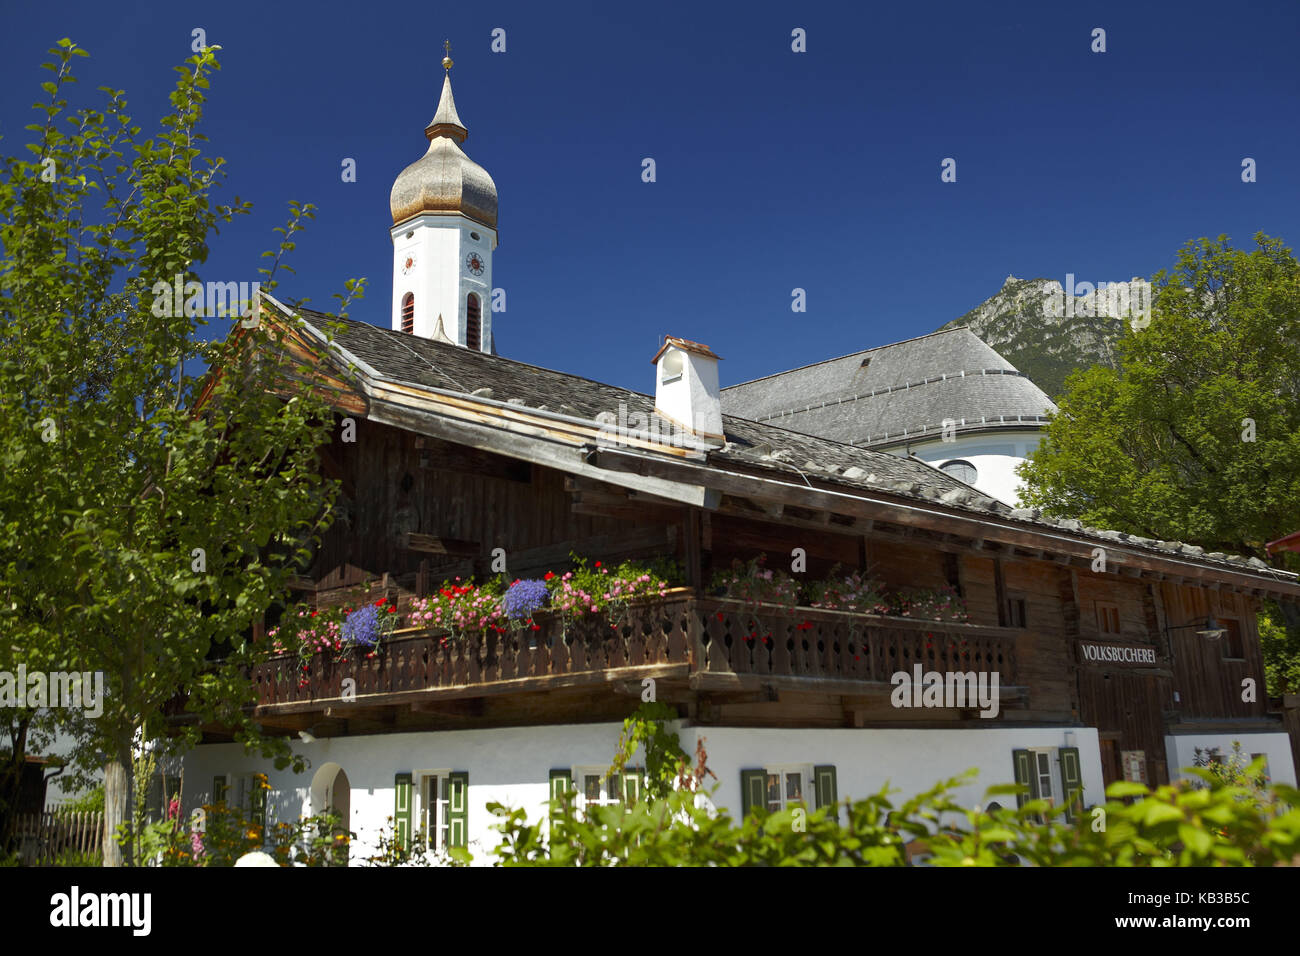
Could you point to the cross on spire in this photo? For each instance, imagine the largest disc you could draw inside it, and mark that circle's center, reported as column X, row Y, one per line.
column 446, row 60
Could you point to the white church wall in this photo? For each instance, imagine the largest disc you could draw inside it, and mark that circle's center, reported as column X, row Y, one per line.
column 439, row 278
column 994, row 457
column 512, row 765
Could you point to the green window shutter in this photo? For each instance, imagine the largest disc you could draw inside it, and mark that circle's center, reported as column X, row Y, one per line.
column 458, row 808
column 218, row 788
column 257, row 803
column 824, row 786
column 632, row 785
column 753, row 791
column 614, row 786
column 1025, row 775
column 402, row 808
column 561, row 782
column 1071, row 781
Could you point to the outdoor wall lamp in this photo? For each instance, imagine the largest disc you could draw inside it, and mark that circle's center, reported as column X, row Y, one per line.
column 1211, row 630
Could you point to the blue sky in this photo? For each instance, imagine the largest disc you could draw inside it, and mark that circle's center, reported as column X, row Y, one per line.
column 775, row 169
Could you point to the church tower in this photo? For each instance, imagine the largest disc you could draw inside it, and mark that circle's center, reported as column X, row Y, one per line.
column 444, row 208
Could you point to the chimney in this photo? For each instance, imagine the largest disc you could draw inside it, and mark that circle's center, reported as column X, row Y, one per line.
column 686, row 388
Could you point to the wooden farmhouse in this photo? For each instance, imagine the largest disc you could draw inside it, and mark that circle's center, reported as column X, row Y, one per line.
column 1097, row 656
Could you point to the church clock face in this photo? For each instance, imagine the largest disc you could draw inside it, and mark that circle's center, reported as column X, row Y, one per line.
column 408, row 264
column 474, row 263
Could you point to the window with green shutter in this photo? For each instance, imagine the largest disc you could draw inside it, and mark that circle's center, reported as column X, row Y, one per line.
column 561, row 783
column 257, row 800
column 753, row 790
column 458, row 808
column 402, row 808
column 1071, row 782
column 1025, row 776
column 824, row 786
column 632, row 785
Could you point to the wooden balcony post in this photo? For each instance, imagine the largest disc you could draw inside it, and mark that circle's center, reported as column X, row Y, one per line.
column 691, row 539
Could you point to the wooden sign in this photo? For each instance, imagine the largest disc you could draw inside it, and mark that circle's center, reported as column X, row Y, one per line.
column 1128, row 655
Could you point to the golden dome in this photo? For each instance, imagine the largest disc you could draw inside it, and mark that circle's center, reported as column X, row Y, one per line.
column 444, row 179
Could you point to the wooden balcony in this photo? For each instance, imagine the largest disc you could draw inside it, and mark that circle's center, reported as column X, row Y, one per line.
column 694, row 645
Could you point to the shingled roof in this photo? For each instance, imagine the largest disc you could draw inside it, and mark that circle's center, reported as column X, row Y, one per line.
column 896, row 393
column 393, row 362
column 407, row 358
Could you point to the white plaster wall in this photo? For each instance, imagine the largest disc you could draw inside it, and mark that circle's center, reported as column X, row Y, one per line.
column 512, row 765
column 994, row 457
column 1180, row 751
column 58, row 790
column 909, row 761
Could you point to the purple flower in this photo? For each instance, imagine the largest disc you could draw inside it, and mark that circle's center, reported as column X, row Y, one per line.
column 523, row 598
column 362, row 626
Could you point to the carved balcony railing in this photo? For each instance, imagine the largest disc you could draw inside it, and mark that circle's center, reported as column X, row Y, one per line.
column 681, row 635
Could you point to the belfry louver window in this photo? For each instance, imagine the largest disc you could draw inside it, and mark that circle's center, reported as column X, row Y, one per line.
column 473, row 323
column 408, row 313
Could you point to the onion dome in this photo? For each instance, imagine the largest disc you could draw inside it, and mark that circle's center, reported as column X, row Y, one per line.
column 445, row 180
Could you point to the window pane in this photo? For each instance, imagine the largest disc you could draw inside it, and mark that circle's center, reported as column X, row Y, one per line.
column 591, row 787
column 773, row 791
column 793, row 787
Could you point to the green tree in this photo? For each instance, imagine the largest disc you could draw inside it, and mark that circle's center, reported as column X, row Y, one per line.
column 158, row 481
column 1196, row 437
column 1221, row 823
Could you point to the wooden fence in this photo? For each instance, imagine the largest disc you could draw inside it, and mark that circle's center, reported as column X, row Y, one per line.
column 42, row 837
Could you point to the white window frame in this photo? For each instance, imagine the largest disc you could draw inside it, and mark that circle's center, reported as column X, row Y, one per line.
column 242, row 786
column 229, row 790
column 1053, row 755
column 437, row 840
column 579, row 777
column 783, row 770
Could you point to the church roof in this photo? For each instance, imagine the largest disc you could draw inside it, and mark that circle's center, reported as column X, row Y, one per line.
column 895, row 393
column 548, row 416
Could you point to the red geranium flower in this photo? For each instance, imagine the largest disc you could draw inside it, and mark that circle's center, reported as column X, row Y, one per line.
column 719, row 615
column 597, row 564
column 548, row 575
